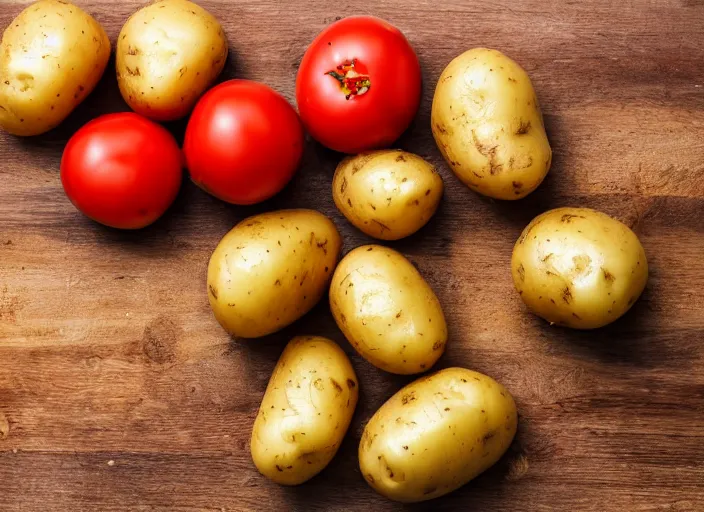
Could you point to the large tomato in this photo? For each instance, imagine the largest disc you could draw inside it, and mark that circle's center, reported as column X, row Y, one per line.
column 122, row 170
column 359, row 85
column 243, row 143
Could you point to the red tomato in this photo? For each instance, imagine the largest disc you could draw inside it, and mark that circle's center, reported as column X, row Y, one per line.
column 122, row 170
column 243, row 143
column 358, row 85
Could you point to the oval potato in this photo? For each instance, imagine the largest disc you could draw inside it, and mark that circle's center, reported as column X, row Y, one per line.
column 305, row 412
column 168, row 53
column 487, row 123
column 270, row 270
column 51, row 57
column 388, row 194
column 387, row 311
column 578, row 267
column 436, row 434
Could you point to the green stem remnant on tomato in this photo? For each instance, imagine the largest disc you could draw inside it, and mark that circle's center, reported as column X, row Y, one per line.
column 352, row 83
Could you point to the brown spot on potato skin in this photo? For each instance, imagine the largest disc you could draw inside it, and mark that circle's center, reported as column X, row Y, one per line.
column 567, row 295
column 349, row 202
column 400, row 158
column 521, row 272
column 405, row 399
column 608, row 276
column 523, row 127
column 160, row 339
column 567, row 217
column 213, row 291
column 351, row 384
column 631, row 300
column 336, row 385
column 488, row 436
column 323, row 245
column 440, row 128
column 343, row 186
column 381, row 225
column 438, row 345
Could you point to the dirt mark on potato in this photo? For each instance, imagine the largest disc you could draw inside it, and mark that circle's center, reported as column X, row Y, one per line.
column 489, row 152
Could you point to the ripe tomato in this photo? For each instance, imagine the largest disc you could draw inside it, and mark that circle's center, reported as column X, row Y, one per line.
column 243, row 143
column 122, row 170
column 359, row 84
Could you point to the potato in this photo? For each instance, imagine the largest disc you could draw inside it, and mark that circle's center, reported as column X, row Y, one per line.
column 578, row 267
column 487, row 123
column 168, row 53
column 270, row 270
column 305, row 411
column 387, row 194
column 51, row 57
column 387, row 311
column 436, row 434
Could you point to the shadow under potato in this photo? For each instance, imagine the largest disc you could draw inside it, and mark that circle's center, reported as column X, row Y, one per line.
column 631, row 340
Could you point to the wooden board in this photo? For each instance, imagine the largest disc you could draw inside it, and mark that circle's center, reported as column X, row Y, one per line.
column 119, row 391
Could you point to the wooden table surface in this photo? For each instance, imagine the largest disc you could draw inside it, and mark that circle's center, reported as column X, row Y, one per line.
column 119, row 390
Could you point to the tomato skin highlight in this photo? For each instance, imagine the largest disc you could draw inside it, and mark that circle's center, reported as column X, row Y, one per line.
column 122, row 170
column 244, row 142
column 378, row 116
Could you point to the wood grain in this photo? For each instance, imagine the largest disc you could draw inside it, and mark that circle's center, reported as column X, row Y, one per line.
column 119, row 391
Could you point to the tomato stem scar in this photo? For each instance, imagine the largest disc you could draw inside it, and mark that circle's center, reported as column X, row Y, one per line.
column 351, row 81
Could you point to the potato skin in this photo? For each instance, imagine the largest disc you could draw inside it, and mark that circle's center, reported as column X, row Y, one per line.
column 52, row 56
column 436, row 434
column 168, row 53
column 305, row 412
column 487, row 123
column 387, row 194
column 387, row 311
column 578, row 267
column 270, row 270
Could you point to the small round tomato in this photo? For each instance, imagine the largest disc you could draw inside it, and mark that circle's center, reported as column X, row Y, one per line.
column 359, row 85
column 243, row 143
column 122, row 170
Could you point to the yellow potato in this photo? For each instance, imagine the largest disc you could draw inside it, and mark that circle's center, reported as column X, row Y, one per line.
column 387, row 194
column 436, row 434
column 51, row 57
column 578, row 267
column 387, row 311
column 168, row 53
column 270, row 270
column 305, row 411
column 487, row 123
